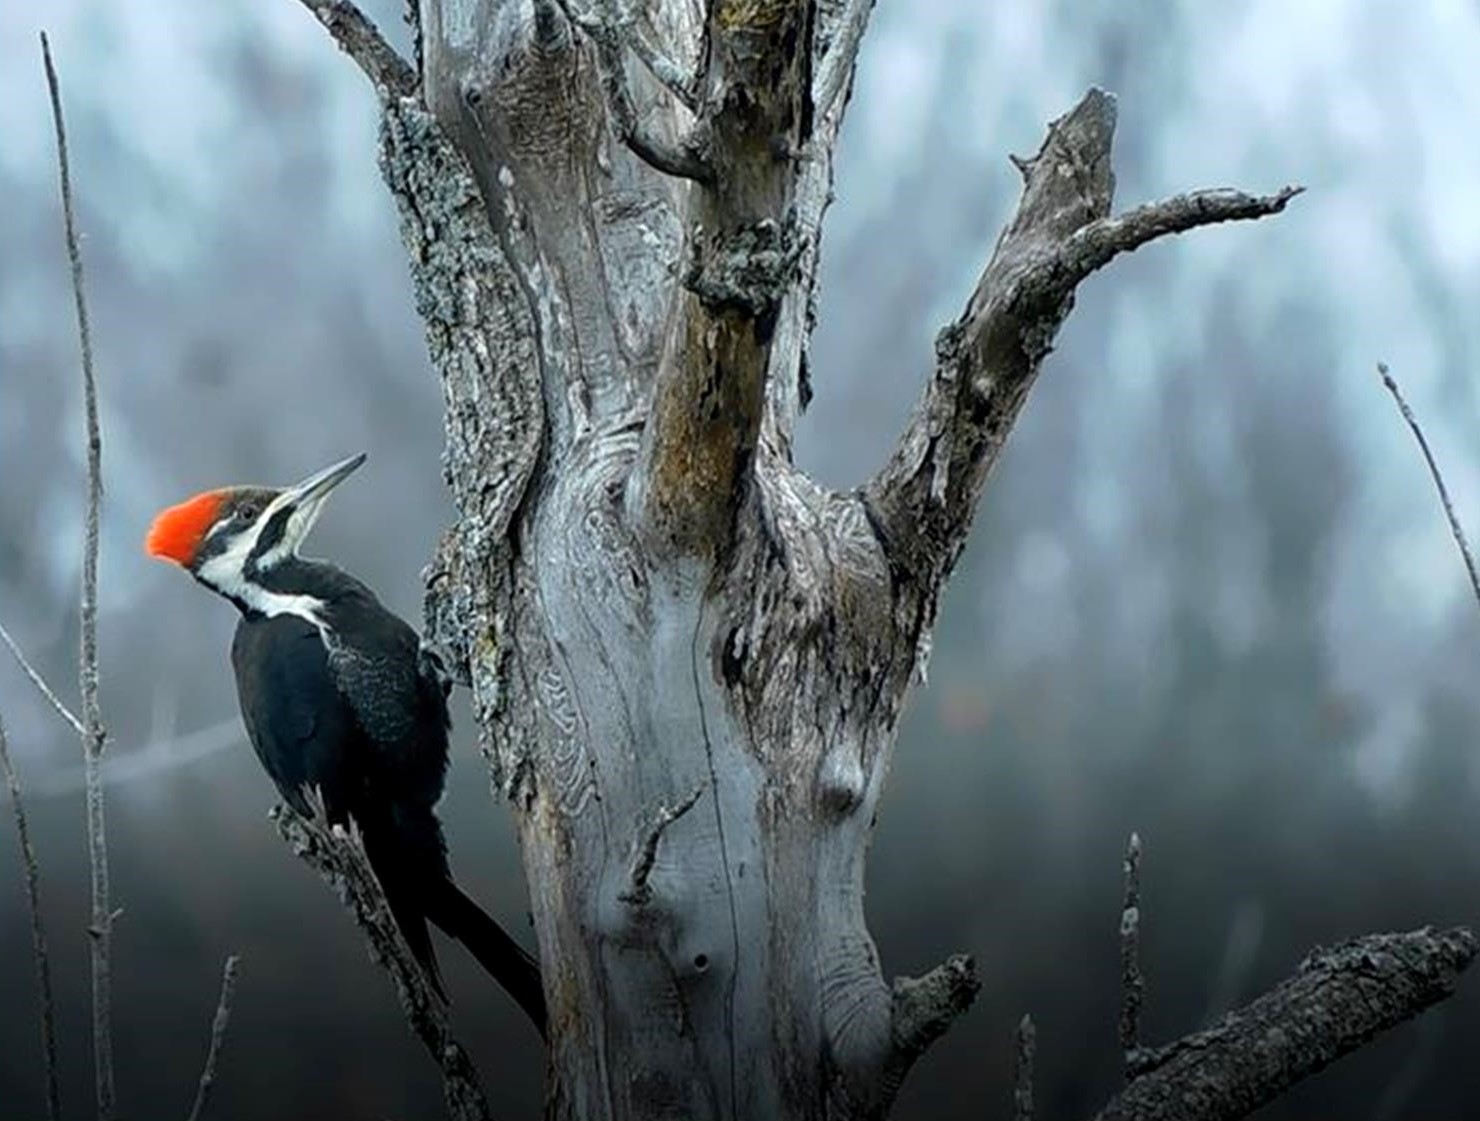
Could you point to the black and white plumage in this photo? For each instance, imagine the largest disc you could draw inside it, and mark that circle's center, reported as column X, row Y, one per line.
column 339, row 696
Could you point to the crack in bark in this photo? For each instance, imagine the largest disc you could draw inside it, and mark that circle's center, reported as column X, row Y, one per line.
column 724, row 851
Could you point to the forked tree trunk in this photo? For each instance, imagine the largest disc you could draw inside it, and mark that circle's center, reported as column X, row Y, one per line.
column 687, row 658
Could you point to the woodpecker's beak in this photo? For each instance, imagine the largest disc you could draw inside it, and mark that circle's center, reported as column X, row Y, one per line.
column 317, row 486
column 305, row 499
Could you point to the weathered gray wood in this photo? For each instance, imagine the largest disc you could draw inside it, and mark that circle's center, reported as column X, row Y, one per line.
column 1336, row 1001
column 687, row 659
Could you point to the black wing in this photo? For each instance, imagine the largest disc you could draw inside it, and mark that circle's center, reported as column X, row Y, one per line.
column 397, row 699
column 298, row 721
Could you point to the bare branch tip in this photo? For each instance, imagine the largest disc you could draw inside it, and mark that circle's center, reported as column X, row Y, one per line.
column 219, row 1023
column 1025, row 1055
column 1456, row 530
column 925, row 1006
column 39, row 951
column 1132, row 982
column 34, row 676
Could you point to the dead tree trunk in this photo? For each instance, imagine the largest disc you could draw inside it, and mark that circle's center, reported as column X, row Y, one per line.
column 688, row 659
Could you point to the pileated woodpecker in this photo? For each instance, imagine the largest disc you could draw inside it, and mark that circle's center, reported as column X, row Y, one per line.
column 339, row 694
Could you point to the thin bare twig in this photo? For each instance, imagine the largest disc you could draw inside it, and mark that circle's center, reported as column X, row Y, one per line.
column 683, row 86
column 1132, row 983
column 42, row 687
column 218, row 1037
column 1455, row 530
column 1096, row 244
column 637, row 891
column 38, row 933
column 1026, row 1039
column 686, row 158
column 359, row 38
column 103, row 915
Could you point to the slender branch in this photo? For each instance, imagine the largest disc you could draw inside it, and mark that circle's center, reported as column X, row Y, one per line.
column 1132, row 983
column 1026, row 1051
column 924, row 497
column 1455, row 529
column 40, row 682
column 1097, row 244
column 93, row 738
column 359, row 38
column 218, row 1037
column 1338, row 1000
column 638, row 892
column 681, row 85
column 47, row 1007
column 685, row 159
column 339, row 858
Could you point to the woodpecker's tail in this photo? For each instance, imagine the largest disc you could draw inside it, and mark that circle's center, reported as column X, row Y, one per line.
column 409, row 858
column 403, row 870
column 505, row 960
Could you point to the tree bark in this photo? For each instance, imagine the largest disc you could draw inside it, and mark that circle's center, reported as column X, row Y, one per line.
column 687, row 659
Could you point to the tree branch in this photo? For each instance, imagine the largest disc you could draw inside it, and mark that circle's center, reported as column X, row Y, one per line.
column 682, row 85
column 358, row 37
column 339, row 858
column 1338, row 1000
column 923, row 499
column 93, row 738
column 699, row 442
column 1132, row 984
column 637, row 891
column 1455, row 529
column 40, row 682
column 218, row 1038
column 47, row 1006
column 685, row 159
column 1025, row 1052
column 1100, row 242
column 924, row 1007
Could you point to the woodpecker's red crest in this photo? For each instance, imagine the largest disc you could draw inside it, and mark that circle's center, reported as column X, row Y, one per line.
column 177, row 532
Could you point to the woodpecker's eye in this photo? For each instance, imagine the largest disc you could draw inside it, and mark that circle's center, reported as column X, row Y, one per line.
column 248, row 511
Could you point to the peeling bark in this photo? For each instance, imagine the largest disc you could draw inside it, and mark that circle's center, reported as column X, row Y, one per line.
column 687, row 659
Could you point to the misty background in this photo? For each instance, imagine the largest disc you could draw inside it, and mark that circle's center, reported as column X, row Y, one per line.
column 1210, row 594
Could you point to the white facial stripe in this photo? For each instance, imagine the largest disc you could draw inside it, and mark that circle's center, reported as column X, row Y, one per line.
column 224, row 572
column 284, row 545
column 300, row 521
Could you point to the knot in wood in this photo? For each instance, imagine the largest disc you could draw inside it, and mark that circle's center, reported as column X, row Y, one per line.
column 748, row 270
